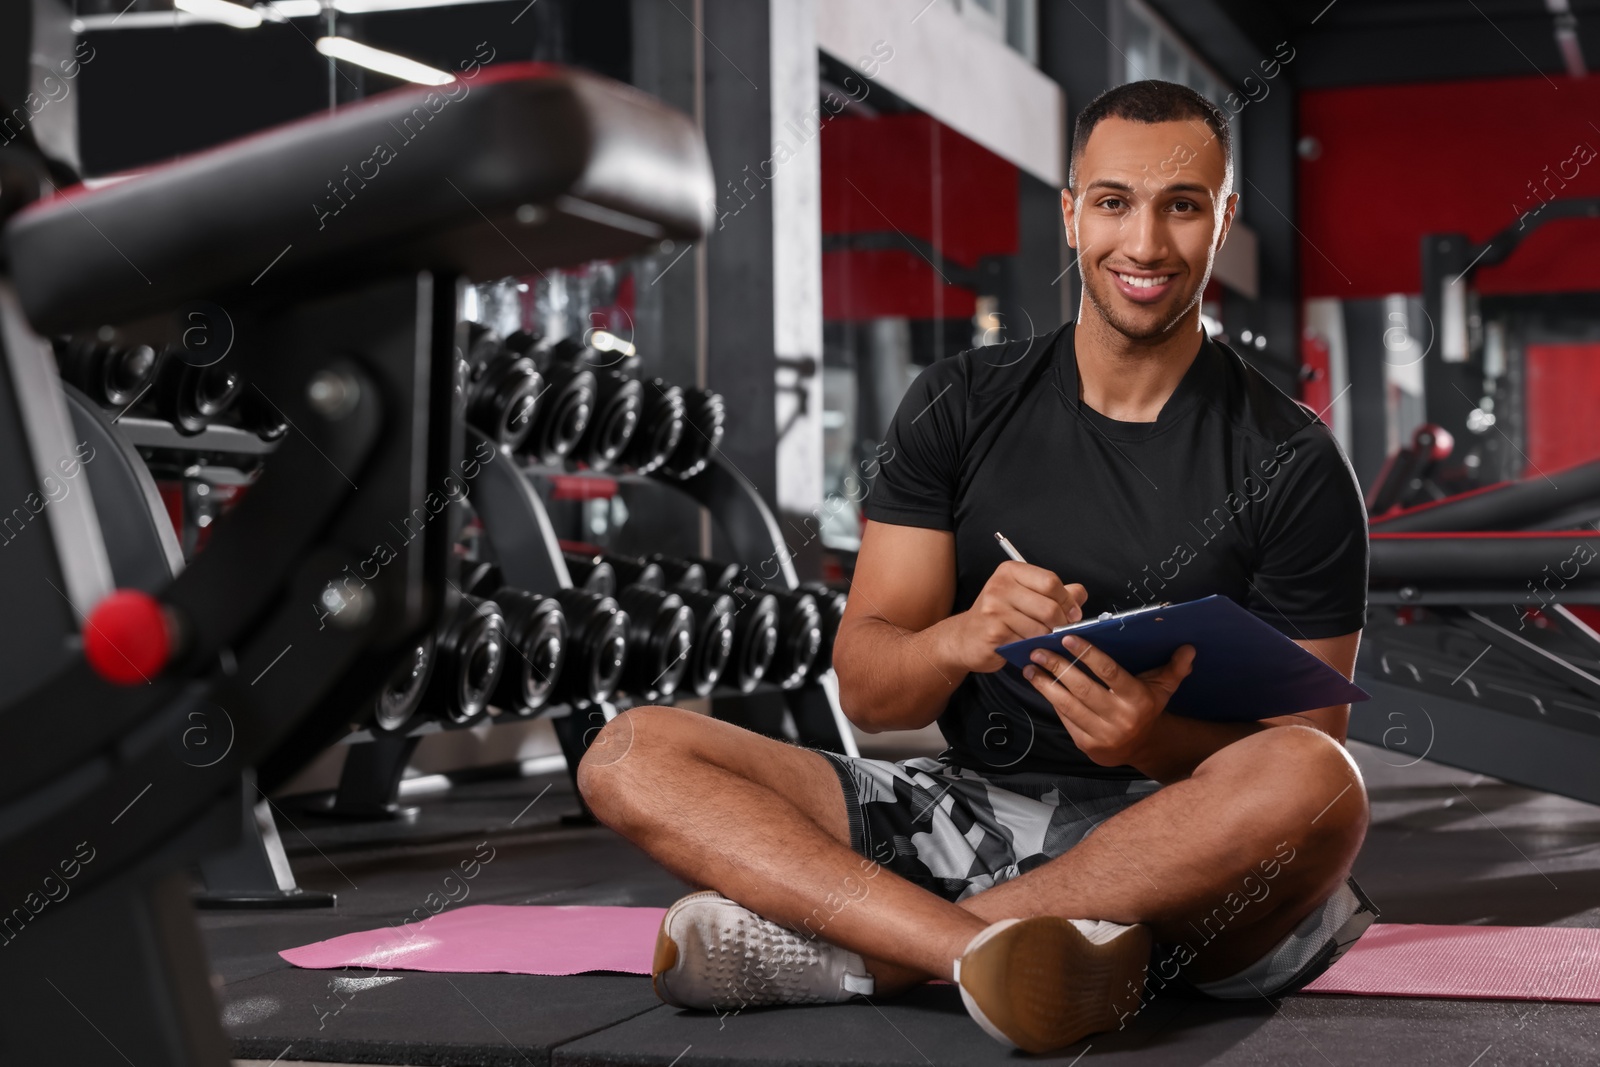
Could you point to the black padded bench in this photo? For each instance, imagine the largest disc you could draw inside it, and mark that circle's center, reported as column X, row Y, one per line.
column 526, row 166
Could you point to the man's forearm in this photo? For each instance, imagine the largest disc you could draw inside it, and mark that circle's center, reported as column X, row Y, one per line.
column 891, row 678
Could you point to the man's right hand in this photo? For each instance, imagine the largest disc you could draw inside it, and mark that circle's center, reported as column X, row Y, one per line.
column 1018, row 601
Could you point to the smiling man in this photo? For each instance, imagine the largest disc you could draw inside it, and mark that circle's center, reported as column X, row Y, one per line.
column 1131, row 459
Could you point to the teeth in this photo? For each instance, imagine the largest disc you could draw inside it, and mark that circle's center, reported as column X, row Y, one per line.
column 1144, row 283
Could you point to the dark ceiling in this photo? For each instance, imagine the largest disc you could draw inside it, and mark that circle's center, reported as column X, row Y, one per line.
column 1353, row 42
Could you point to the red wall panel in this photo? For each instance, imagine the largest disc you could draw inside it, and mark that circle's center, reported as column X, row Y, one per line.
column 888, row 284
column 1563, row 390
column 908, row 173
column 1400, row 161
column 885, row 173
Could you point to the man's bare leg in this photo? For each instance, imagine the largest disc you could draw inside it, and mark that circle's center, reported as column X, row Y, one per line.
column 1227, row 861
column 764, row 823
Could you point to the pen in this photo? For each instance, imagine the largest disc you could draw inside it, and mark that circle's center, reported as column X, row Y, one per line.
column 1011, row 550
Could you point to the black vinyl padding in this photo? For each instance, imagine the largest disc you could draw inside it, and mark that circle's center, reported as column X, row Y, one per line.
column 1564, row 495
column 1472, row 559
column 605, row 170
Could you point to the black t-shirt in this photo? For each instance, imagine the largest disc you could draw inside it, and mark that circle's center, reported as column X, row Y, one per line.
column 1235, row 489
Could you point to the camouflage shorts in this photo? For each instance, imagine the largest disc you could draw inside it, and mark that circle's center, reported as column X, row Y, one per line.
column 956, row 832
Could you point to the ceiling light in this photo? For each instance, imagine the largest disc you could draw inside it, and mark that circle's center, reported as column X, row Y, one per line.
column 377, row 59
column 221, row 11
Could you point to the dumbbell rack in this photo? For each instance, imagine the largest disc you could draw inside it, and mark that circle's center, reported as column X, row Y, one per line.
column 524, row 543
column 517, row 527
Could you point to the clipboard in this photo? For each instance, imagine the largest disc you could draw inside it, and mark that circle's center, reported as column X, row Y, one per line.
column 1243, row 668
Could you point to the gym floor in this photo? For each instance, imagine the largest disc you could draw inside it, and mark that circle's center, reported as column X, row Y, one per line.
column 1445, row 847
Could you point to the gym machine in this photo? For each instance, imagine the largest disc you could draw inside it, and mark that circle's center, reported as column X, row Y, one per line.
column 1481, row 649
column 348, row 327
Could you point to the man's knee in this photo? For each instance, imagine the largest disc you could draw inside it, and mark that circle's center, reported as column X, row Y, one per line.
column 627, row 745
column 1308, row 783
column 1321, row 800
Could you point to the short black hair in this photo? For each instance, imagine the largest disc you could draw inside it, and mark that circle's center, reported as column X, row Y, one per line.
column 1153, row 101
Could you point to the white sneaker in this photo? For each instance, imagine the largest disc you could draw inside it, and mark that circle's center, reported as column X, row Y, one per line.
column 1044, row 982
column 714, row 954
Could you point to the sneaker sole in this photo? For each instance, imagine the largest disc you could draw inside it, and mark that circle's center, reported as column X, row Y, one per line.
column 667, row 952
column 1039, row 984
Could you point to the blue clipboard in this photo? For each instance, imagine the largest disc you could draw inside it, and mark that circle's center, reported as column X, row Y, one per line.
column 1243, row 669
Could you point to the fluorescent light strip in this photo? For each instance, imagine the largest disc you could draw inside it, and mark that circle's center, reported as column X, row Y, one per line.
column 220, row 11
column 367, row 7
column 269, row 10
column 363, row 55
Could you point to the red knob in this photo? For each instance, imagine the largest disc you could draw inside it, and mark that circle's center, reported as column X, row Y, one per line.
column 128, row 638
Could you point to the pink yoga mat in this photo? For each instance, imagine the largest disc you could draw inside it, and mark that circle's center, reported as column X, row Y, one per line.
column 516, row 939
column 1477, row 962
column 1484, row 962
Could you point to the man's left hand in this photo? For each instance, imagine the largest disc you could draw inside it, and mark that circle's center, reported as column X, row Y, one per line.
column 1110, row 725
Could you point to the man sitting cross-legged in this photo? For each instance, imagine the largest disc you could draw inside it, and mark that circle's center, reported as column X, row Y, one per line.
column 1071, row 829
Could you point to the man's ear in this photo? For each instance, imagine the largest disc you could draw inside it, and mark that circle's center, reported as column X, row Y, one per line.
column 1068, row 210
column 1230, row 209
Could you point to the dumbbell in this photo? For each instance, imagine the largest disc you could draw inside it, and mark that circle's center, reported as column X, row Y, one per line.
column 591, row 573
column 755, row 638
column 660, row 427
column 660, row 637
column 564, row 409
column 597, row 647
column 718, row 575
column 705, row 417
column 256, row 414
column 631, row 570
column 830, row 604
column 713, row 639
column 395, row 708
column 469, row 657
column 618, row 402
column 799, row 638
column 113, row 375
column 681, row 575
column 536, row 632
column 502, row 389
column 192, row 398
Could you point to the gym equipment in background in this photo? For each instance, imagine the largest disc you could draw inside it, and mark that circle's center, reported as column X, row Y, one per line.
column 1480, row 649
column 799, row 638
column 718, row 574
column 660, row 428
column 755, row 638
column 503, row 390
column 597, row 647
column 110, row 374
column 397, row 707
column 660, row 638
column 470, row 655
column 830, row 604
column 618, row 402
column 681, row 575
column 713, row 639
column 365, row 371
column 1406, row 478
column 536, row 634
column 257, row 415
column 631, row 570
column 591, row 573
column 704, row 420
column 565, row 409
column 192, row 397
column 1477, row 368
